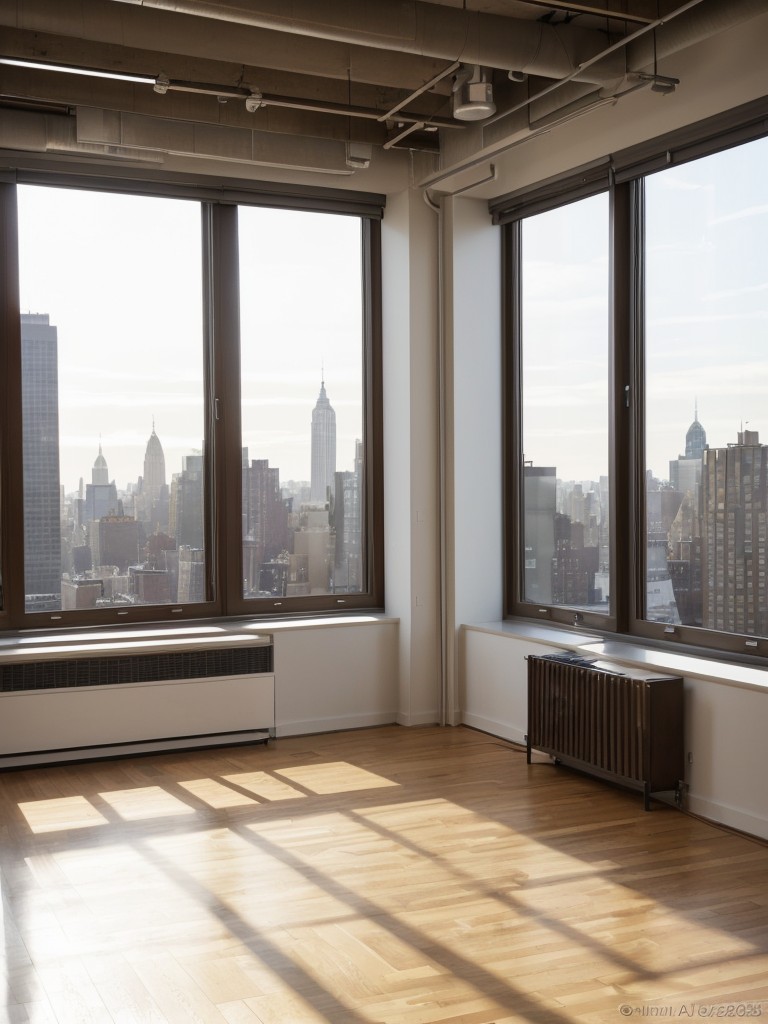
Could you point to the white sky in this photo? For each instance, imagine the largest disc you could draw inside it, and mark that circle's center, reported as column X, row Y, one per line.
column 120, row 277
column 707, row 316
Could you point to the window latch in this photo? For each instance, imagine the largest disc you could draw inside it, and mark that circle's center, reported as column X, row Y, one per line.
column 626, row 395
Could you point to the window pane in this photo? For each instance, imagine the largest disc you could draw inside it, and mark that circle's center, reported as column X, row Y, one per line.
column 706, row 379
column 565, row 391
column 112, row 397
column 301, row 329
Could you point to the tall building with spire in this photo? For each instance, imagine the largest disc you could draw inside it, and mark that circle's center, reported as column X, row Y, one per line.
column 40, row 440
column 152, row 498
column 323, row 447
column 683, row 524
column 685, row 470
column 153, row 481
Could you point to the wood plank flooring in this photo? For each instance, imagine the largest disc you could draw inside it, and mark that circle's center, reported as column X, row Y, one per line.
column 383, row 876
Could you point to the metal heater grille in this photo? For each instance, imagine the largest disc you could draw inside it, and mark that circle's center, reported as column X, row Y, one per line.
column 135, row 668
column 628, row 729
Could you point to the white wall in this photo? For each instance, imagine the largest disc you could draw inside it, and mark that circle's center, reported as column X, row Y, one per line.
column 724, row 723
column 412, row 524
column 725, row 736
column 473, row 423
column 335, row 676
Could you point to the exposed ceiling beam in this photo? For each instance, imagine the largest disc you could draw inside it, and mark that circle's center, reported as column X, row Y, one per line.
column 423, row 29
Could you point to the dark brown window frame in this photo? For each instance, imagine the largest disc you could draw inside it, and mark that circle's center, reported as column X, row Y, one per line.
column 218, row 204
column 622, row 176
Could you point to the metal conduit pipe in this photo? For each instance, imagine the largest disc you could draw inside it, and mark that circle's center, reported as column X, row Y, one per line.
column 444, row 497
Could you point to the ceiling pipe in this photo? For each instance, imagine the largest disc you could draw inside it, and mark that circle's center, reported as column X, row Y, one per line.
column 436, row 31
column 424, row 29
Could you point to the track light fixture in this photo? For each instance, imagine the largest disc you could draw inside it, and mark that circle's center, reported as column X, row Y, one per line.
column 659, row 83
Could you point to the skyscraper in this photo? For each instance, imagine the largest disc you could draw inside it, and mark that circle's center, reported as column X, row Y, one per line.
column 323, row 447
column 348, row 510
column 685, row 470
column 153, row 480
column 735, row 536
column 152, row 498
column 40, row 440
column 684, row 527
column 187, row 509
column 100, row 493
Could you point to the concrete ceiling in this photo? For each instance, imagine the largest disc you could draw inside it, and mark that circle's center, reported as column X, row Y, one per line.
column 321, row 87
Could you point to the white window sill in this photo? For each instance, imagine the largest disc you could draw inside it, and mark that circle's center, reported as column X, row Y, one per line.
column 46, row 645
column 633, row 655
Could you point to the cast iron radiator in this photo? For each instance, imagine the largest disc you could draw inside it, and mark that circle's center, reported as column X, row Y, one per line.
column 604, row 720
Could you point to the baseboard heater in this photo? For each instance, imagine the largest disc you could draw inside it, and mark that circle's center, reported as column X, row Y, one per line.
column 78, row 701
column 608, row 721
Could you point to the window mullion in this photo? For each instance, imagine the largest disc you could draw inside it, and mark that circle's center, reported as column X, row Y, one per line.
column 625, row 405
column 513, row 425
column 225, row 400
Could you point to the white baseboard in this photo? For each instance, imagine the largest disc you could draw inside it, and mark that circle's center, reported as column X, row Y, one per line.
column 503, row 730
column 37, row 758
column 424, row 718
column 732, row 817
column 335, row 724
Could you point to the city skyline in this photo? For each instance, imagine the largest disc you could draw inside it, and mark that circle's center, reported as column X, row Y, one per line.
column 703, row 532
column 102, row 457
column 705, row 288
column 123, row 364
column 104, row 546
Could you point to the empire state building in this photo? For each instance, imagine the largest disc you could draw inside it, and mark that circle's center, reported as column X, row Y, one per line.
column 323, row 447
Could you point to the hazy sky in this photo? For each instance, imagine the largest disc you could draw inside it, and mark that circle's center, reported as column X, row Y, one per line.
column 120, row 277
column 707, row 316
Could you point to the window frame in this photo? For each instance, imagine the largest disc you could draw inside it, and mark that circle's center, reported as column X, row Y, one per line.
column 219, row 202
column 622, row 175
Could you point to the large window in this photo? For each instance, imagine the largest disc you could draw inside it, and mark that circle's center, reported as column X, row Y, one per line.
column 302, row 352
column 565, row 404
column 113, row 400
column 637, row 379
column 706, row 382
column 178, row 368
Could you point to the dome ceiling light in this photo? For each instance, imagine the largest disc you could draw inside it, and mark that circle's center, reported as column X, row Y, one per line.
column 473, row 94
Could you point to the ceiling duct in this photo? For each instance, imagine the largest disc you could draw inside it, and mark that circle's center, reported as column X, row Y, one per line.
column 492, row 41
column 425, row 29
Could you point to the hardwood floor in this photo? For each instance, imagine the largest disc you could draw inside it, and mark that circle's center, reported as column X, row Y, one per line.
column 406, row 876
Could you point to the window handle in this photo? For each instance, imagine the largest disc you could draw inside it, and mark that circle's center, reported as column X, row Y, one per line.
column 626, row 395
